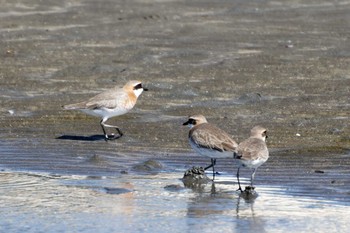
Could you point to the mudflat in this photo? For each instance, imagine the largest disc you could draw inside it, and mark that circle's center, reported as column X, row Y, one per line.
column 280, row 64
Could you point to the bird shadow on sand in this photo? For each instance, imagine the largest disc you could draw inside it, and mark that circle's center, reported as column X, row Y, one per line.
column 82, row 138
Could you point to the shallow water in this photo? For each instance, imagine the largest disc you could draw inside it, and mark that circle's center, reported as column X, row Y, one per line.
column 115, row 192
column 284, row 65
column 35, row 202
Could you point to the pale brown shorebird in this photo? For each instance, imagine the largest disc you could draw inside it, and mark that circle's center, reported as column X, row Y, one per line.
column 208, row 140
column 252, row 152
column 110, row 103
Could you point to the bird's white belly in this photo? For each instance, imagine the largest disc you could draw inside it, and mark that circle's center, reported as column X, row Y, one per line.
column 105, row 112
column 252, row 163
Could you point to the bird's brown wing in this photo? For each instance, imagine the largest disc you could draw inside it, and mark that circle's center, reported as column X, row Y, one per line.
column 209, row 136
column 252, row 149
column 108, row 99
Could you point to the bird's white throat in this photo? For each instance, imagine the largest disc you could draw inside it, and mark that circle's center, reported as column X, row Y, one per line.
column 138, row 92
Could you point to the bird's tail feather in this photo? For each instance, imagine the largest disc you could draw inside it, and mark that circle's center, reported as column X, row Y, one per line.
column 72, row 106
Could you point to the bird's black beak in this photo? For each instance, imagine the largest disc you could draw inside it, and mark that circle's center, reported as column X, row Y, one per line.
column 186, row 123
column 145, row 89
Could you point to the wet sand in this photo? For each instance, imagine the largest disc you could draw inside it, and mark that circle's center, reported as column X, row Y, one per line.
column 284, row 65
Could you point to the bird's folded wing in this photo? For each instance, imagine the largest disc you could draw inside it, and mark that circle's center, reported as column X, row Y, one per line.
column 209, row 139
column 251, row 149
column 109, row 99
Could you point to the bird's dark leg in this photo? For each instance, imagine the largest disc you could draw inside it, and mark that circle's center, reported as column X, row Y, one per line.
column 104, row 131
column 239, row 184
column 110, row 137
column 252, row 177
column 119, row 132
column 211, row 165
column 213, row 162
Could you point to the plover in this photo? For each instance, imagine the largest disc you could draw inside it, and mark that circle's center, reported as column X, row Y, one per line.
column 252, row 152
column 113, row 102
column 208, row 140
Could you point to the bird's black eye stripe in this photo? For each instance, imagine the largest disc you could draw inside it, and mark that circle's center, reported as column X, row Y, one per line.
column 190, row 122
column 138, row 86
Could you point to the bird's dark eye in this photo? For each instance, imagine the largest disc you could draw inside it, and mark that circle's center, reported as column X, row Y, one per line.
column 138, row 86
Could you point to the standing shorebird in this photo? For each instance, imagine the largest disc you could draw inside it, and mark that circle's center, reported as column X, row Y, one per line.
column 252, row 152
column 208, row 140
column 113, row 102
